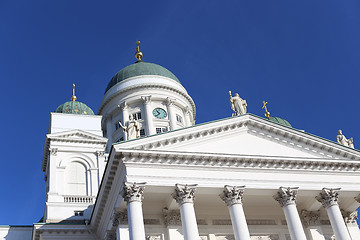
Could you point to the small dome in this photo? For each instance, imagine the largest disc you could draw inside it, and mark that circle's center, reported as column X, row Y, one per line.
column 74, row 107
column 138, row 69
column 280, row 121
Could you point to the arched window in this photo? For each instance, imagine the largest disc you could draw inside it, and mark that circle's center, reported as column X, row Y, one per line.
column 76, row 179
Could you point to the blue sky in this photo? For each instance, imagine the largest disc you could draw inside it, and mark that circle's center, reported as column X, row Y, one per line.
column 301, row 56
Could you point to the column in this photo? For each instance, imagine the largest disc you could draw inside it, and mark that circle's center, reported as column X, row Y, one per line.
column 150, row 130
column 108, row 132
column 184, row 196
column 351, row 224
column 52, row 174
column 172, row 115
column 286, row 198
column 233, row 196
column 124, row 116
column 329, row 199
column 133, row 195
column 311, row 222
column 187, row 117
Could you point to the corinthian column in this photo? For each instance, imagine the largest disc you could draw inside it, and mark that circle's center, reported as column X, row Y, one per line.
column 171, row 111
column 329, row 199
column 233, row 196
column 133, row 195
column 150, row 130
column 184, row 196
column 286, row 198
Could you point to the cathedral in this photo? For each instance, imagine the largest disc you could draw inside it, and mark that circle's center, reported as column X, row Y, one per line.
column 142, row 169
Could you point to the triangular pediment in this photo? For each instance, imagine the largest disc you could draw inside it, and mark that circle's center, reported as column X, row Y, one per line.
column 245, row 135
column 75, row 135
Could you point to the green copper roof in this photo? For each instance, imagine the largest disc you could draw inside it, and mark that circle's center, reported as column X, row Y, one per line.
column 138, row 69
column 74, row 107
column 280, row 121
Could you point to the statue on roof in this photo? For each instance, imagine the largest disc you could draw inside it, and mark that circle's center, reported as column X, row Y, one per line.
column 341, row 139
column 238, row 105
column 132, row 128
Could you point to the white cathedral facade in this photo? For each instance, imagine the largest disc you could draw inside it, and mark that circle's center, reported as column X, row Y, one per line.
column 141, row 169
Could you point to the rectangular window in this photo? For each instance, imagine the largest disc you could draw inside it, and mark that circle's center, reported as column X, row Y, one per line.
column 142, row 132
column 161, row 129
column 79, row 213
column 179, row 118
column 137, row 116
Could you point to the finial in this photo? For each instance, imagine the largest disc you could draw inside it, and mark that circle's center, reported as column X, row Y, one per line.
column 267, row 114
column 73, row 97
column 138, row 54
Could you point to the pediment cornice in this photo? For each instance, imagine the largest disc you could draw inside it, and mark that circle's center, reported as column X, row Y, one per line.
column 252, row 124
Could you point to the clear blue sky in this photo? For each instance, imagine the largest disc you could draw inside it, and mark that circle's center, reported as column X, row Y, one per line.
column 301, row 56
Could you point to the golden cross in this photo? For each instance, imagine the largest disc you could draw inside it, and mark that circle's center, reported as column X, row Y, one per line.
column 73, row 97
column 137, row 46
column 267, row 114
column 138, row 54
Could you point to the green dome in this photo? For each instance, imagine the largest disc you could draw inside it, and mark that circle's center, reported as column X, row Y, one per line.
column 138, row 69
column 280, row 121
column 74, row 107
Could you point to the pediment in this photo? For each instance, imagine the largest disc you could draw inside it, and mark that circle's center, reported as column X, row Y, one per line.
column 244, row 135
column 76, row 135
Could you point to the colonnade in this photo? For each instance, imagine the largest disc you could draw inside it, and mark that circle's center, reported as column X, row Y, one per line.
column 233, row 196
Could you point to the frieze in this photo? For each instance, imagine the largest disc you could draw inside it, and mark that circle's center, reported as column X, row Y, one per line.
column 172, row 217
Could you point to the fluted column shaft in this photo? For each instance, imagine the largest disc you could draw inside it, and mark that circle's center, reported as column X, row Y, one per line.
column 150, row 130
column 286, row 198
column 233, row 196
column 133, row 195
column 329, row 199
column 184, row 196
column 172, row 114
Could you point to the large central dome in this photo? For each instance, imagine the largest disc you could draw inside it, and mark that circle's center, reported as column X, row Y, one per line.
column 138, row 69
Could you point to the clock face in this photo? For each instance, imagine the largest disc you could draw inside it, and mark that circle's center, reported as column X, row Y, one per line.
column 159, row 113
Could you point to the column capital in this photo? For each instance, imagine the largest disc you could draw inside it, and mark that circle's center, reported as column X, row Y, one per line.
column 123, row 106
column 53, row 151
column 328, row 197
column 119, row 218
column 349, row 217
column 232, row 194
column 310, row 218
column 133, row 191
column 286, row 196
column 170, row 101
column 146, row 99
column 184, row 193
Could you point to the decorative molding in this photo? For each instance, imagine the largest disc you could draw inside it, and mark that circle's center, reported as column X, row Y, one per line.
column 286, row 196
column 152, row 221
column 349, row 217
column 184, row 193
column 328, row 197
column 260, row 222
column 53, row 151
column 221, row 222
column 146, row 99
column 172, row 217
column 133, row 192
column 232, row 194
column 310, row 218
column 119, row 218
column 201, row 222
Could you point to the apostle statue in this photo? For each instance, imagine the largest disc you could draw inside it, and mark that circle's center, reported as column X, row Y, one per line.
column 238, row 105
column 132, row 128
column 340, row 138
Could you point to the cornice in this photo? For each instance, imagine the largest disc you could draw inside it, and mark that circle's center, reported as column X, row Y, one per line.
column 211, row 160
column 148, row 86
